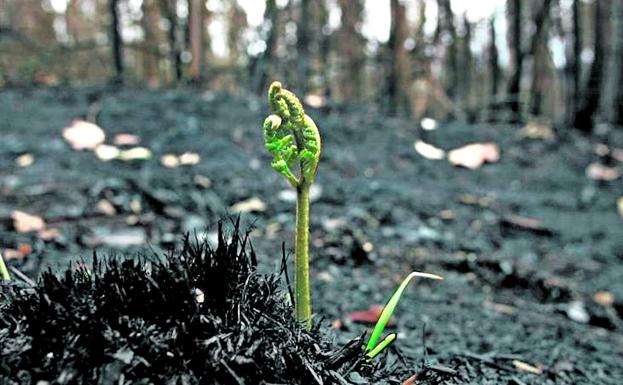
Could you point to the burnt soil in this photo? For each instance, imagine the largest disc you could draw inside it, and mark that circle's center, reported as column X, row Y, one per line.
column 524, row 244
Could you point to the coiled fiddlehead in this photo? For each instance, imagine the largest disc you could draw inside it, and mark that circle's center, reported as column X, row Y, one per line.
column 291, row 137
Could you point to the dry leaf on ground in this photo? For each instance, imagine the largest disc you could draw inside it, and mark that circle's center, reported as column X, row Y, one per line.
column 474, row 155
column 596, row 171
column 105, row 152
column 604, row 298
column 83, row 135
column 24, row 222
column 25, row 160
column 135, row 153
column 126, row 140
column 536, row 130
column 369, row 316
column 253, row 204
column 429, row 151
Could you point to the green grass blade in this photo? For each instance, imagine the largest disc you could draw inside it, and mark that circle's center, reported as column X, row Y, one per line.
column 389, row 308
column 4, row 273
column 380, row 347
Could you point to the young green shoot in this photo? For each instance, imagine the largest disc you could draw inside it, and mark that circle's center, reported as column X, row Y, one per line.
column 294, row 141
column 4, row 272
column 374, row 347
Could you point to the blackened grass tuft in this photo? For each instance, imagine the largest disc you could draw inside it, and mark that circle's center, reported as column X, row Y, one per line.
column 141, row 320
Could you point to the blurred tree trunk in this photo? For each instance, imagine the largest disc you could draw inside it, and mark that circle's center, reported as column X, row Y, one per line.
column 452, row 72
column 538, row 51
column 400, row 67
column 196, row 26
column 592, row 92
column 117, row 43
column 237, row 24
column 151, row 53
column 325, row 46
column 494, row 61
column 618, row 46
column 466, row 83
column 167, row 9
column 517, row 56
column 574, row 64
column 303, row 41
column 263, row 65
column 351, row 50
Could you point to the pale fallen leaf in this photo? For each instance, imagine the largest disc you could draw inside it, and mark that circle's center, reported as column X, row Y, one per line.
column 83, row 135
column 428, row 124
column 199, row 296
column 135, row 153
column 472, row 156
column 126, row 140
column 24, row 223
column 169, row 160
column 620, row 206
column 411, row 380
column 429, row 151
column 604, row 298
column 25, row 160
column 105, row 152
column 598, row 171
column 536, row 130
column 106, row 208
column 525, row 367
column 315, row 100
column 577, row 312
column 189, row 159
column 202, row 181
column 23, row 249
column 49, row 234
column 12, row 254
column 253, row 204
column 369, row 316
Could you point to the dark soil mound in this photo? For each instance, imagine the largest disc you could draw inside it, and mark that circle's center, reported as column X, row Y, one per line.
column 127, row 321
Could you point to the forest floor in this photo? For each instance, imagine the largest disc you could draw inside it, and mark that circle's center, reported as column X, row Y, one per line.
column 530, row 247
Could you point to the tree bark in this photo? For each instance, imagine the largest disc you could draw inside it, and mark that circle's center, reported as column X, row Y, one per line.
column 196, row 16
column 452, row 72
column 592, row 92
column 168, row 11
column 517, row 56
column 574, row 66
column 538, row 50
column 117, row 43
column 150, row 55
column 618, row 44
column 494, row 61
column 265, row 62
column 303, row 41
column 400, row 67
column 351, row 50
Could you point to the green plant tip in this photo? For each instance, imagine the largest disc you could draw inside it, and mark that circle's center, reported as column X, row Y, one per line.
column 388, row 310
column 4, row 272
column 382, row 346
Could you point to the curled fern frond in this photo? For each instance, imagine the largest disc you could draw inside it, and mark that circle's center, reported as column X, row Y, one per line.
column 291, row 137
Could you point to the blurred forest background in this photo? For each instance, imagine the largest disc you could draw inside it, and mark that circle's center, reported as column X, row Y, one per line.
column 504, row 61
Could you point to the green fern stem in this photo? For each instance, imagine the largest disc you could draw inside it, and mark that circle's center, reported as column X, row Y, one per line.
column 301, row 280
